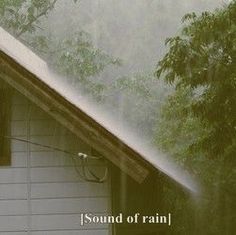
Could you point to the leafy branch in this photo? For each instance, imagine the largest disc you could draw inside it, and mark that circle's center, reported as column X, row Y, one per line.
column 26, row 27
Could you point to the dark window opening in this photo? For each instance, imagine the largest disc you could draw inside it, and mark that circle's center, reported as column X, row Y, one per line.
column 5, row 116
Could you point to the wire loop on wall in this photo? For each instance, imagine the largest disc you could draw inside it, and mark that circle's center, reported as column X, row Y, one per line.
column 86, row 173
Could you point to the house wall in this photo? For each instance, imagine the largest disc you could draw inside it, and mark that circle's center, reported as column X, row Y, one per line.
column 41, row 193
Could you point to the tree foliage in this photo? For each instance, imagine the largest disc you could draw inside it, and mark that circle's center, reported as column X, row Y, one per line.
column 198, row 122
column 20, row 16
column 202, row 58
column 73, row 56
column 138, row 98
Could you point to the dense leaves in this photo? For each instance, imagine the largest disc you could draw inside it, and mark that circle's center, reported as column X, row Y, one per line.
column 198, row 121
column 202, row 59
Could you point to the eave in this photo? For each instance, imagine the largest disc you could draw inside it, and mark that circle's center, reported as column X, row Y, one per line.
column 73, row 118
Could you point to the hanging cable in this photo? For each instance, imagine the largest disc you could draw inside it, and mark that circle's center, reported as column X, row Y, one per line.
column 86, row 170
column 87, row 174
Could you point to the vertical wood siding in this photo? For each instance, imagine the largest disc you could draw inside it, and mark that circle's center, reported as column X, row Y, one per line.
column 41, row 193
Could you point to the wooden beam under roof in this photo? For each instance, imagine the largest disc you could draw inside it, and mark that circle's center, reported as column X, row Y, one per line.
column 73, row 118
column 30, row 75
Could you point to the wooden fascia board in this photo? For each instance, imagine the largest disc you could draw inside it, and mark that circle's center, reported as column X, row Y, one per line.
column 70, row 116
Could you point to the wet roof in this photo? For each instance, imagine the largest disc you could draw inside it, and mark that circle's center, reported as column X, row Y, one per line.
column 32, row 76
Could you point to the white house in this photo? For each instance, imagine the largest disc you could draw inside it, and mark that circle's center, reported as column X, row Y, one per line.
column 58, row 158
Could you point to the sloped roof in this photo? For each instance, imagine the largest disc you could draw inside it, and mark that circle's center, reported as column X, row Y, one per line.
column 30, row 75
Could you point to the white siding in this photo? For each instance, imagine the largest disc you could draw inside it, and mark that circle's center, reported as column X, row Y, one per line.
column 13, row 175
column 13, row 223
column 13, row 191
column 41, row 193
column 13, row 207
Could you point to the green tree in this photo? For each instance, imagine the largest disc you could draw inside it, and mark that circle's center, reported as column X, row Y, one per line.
column 198, row 121
column 202, row 58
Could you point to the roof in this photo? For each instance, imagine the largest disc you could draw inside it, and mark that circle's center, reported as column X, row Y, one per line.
column 29, row 74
